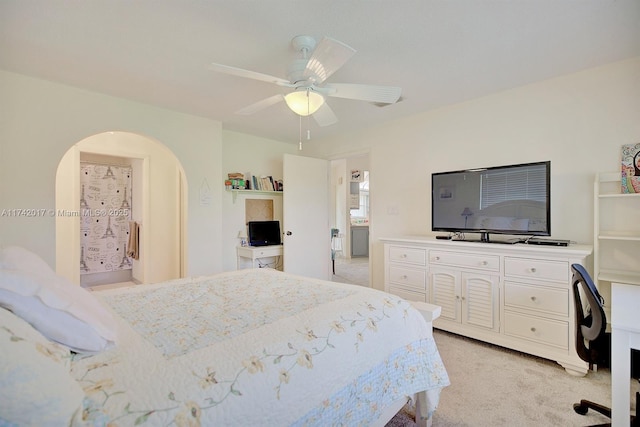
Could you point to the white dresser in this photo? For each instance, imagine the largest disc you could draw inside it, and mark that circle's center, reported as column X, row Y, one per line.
column 516, row 296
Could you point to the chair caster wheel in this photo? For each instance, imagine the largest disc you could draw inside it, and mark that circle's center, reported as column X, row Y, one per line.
column 580, row 409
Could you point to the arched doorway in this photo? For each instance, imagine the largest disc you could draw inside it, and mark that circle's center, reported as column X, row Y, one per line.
column 159, row 204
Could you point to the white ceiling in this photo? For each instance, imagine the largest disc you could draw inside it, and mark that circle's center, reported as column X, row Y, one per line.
column 439, row 52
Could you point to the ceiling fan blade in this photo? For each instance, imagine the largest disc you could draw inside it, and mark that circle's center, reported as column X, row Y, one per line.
column 371, row 93
column 328, row 56
column 325, row 116
column 257, row 106
column 226, row 69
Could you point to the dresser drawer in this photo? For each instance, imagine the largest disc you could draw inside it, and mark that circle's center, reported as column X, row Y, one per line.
column 408, row 295
column 547, row 300
column 537, row 269
column 414, row 256
column 408, row 278
column 482, row 262
column 545, row 331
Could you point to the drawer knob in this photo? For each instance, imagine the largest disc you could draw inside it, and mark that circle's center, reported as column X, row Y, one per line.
column 436, row 258
column 484, row 263
column 404, row 277
column 533, row 329
column 403, row 256
column 533, row 299
column 532, row 270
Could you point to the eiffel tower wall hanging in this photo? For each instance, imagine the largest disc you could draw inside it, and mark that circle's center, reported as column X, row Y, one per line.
column 105, row 211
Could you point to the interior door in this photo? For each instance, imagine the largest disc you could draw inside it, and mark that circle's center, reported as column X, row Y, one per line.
column 305, row 212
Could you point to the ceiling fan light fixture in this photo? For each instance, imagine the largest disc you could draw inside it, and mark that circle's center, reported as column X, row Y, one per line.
column 304, row 102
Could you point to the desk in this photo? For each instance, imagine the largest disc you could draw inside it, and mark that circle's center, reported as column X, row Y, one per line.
column 625, row 335
column 256, row 253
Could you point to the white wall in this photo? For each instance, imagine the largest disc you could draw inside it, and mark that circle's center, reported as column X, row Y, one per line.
column 579, row 122
column 40, row 121
column 245, row 153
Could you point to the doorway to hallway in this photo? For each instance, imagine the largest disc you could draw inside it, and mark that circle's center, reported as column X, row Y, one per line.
column 350, row 183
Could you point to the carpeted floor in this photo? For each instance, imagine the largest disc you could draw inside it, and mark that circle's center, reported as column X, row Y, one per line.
column 352, row 270
column 493, row 386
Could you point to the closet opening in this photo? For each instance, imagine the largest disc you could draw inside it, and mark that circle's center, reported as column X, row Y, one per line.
column 109, row 235
column 93, row 246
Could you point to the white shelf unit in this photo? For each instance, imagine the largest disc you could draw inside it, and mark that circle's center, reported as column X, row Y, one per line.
column 616, row 241
column 235, row 193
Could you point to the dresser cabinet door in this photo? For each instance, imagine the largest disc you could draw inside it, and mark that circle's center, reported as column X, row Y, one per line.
column 480, row 296
column 445, row 292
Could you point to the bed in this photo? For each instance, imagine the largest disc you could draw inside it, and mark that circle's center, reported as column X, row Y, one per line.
column 249, row 347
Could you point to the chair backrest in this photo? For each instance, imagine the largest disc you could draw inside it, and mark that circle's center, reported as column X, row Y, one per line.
column 591, row 320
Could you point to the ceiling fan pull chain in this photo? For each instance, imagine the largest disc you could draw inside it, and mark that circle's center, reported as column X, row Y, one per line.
column 308, row 115
column 300, row 134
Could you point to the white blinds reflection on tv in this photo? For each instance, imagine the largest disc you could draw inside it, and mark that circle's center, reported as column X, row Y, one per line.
column 513, row 184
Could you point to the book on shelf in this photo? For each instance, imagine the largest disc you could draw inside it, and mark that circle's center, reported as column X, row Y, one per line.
column 237, row 180
column 266, row 183
column 248, row 178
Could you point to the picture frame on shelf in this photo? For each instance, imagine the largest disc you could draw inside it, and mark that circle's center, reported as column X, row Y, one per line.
column 630, row 168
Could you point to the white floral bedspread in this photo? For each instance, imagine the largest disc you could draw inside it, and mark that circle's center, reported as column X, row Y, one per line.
column 257, row 347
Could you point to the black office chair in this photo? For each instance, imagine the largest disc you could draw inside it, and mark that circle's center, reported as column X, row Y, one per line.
column 593, row 343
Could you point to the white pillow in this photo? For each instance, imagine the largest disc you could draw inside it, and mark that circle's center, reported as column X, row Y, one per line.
column 37, row 388
column 60, row 310
column 19, row 258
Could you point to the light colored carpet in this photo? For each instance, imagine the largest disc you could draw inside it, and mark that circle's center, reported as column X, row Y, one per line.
column 354, row 271
column 493, row 386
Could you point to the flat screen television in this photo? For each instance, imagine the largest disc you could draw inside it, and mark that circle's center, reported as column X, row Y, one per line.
column 264, row 233
column 512, row 200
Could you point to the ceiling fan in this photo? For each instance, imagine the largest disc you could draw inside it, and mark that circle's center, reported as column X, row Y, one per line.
column 307, row 76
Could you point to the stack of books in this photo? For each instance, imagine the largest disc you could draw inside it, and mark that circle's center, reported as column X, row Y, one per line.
column 247, row 181
column 236, row 180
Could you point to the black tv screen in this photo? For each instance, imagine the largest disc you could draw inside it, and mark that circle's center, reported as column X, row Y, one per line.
column 264, row 233
column 512, row 199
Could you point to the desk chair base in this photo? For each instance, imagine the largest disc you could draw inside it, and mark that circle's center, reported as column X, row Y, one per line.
column 583, row 407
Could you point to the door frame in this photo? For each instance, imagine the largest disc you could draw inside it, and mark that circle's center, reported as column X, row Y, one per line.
column 347, row 219
column 68, row 200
